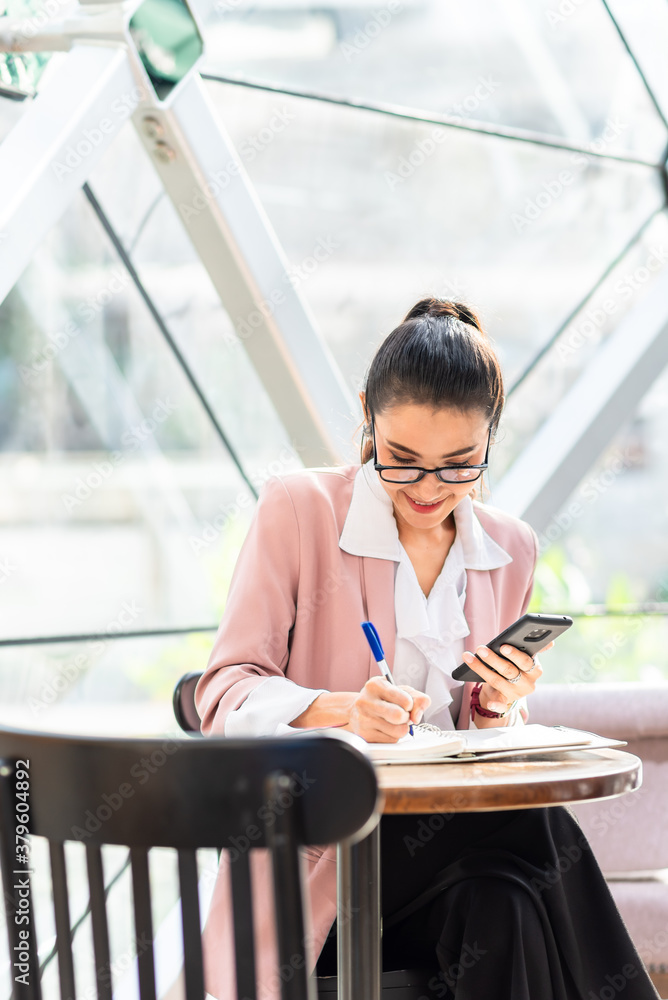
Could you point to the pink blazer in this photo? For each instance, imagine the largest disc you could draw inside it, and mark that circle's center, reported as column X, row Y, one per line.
column 294, row 607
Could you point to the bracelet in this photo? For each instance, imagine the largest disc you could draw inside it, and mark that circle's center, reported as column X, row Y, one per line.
column 485, row 712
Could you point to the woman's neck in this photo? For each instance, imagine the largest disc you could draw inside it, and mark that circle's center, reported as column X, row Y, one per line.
column 440, row 536
column 428, row 550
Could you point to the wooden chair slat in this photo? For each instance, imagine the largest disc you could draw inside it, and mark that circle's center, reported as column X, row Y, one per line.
column 61, row 910
column 192, row 952
column 98, row 912
column 141, row 897
column 242, row 904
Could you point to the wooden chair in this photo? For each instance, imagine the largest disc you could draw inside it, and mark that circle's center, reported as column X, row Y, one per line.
column 396, row 984
column 200, row 793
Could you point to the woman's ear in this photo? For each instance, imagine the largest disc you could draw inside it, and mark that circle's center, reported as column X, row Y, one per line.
column 362, row 396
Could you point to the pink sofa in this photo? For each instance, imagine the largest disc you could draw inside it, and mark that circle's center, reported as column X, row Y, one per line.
column 629, row 834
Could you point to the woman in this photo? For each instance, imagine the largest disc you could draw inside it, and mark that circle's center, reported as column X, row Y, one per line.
column 399, row 541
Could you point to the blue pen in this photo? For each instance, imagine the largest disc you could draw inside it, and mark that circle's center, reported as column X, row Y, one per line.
column 373, row 639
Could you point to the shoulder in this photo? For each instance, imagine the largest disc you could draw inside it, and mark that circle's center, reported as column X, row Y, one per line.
column 517, row 537
column 311, row 492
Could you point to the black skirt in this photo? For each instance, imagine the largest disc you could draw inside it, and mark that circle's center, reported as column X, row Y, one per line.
column 504, row 906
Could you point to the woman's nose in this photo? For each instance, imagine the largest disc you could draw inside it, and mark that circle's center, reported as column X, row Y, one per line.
column 428, row 487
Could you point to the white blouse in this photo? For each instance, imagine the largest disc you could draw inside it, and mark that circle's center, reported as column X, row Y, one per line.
column 430, row 630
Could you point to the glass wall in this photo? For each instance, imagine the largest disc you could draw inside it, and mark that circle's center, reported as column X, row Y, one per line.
column 495, row 153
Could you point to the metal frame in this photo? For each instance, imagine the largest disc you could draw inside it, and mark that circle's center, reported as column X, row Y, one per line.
column 227, row 225
column 590, row 414
column 234, row 239
column 205, row 180
column 66, row 114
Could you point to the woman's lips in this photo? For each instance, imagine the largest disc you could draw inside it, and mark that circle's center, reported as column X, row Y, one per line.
column 423, row 508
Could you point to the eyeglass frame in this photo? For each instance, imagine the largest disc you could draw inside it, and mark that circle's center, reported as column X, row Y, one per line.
column 424, row 472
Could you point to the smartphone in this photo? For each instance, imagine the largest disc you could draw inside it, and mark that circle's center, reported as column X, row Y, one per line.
column 530, row 633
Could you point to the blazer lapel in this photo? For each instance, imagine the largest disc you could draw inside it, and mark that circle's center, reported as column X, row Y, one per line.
column 480, row 608
column 481, row 615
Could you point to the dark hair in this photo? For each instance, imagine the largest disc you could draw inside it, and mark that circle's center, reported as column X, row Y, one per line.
column 439, row 356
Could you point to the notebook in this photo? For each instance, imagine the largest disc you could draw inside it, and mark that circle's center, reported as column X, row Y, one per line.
column 427, row 742
column 431, row 745
column 497, row 743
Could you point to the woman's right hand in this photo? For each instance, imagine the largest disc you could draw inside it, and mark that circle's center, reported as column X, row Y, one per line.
column 381, row 712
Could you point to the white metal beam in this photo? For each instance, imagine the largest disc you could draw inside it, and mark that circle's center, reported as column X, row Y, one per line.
column 55, row 145
column 61, row 137
column 235, row 241
column 594, row 409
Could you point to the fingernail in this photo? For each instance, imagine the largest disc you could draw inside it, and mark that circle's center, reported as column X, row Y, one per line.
column 467, row 656
column 483, row 651
column 506, row 649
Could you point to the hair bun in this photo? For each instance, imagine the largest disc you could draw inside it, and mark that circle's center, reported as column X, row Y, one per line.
column 444, row 307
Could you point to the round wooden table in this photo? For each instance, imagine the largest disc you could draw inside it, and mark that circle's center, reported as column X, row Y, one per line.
column 537, row 780
column 532, row 781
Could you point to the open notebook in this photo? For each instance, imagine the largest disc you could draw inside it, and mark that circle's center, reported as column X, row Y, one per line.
column 432, row 745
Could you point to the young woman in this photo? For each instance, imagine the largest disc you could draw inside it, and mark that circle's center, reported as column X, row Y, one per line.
column 506, row 905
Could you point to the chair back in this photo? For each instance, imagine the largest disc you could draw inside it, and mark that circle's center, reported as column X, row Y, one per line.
column 185, row 794
column 183, row 702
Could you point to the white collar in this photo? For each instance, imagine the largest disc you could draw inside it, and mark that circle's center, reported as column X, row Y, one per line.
column 371, row 530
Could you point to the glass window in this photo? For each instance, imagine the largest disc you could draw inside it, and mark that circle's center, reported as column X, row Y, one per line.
column 111, row 469
column 518, row 64
column 606, row 550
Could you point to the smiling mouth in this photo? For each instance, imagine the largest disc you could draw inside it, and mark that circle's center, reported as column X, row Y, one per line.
column 424, row 505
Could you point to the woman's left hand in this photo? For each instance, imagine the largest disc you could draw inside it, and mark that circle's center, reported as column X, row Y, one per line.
column 518, row 677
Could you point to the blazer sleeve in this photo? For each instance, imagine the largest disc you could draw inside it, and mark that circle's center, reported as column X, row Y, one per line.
column 522, row 703
column 252, row 643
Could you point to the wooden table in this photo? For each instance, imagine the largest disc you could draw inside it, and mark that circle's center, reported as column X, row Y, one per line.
column 529, row 782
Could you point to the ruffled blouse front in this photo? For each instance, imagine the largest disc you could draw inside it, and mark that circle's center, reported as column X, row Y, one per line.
column 430, row 630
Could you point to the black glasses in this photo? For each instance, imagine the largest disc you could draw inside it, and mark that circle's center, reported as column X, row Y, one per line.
column 413, row 474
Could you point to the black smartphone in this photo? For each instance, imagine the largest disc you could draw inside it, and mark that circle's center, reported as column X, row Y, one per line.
column 530, row 633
